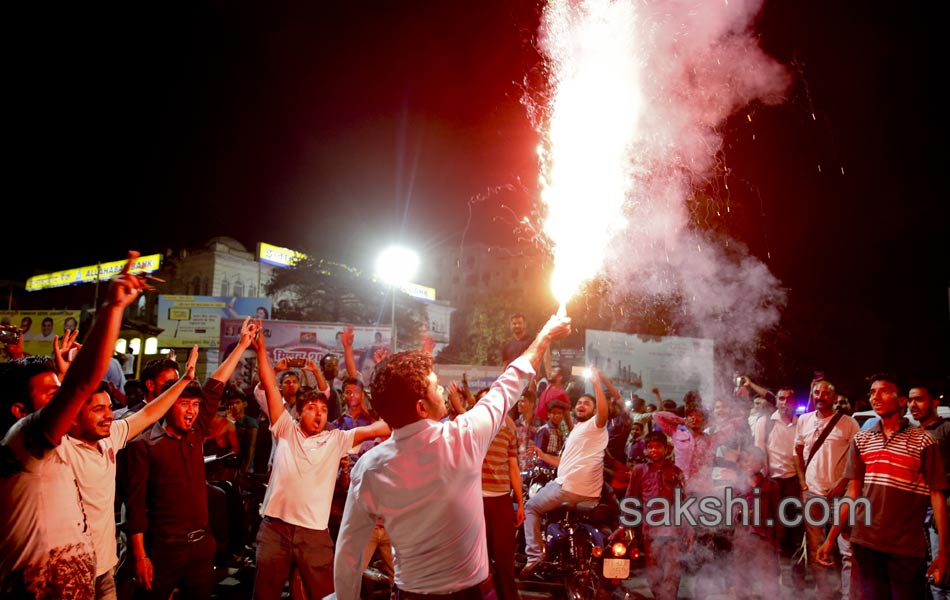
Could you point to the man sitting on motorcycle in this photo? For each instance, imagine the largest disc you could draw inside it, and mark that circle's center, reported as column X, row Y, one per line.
column 580, row 472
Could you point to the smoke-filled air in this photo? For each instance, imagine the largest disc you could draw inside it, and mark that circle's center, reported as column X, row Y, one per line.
column 630, row 123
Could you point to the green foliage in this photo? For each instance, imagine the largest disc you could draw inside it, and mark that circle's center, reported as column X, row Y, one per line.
column 330, row 292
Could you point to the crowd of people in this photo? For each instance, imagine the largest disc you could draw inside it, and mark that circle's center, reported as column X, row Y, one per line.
column 108, row 491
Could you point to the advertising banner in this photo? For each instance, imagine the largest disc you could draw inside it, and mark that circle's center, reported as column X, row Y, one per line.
column 93, row 273
column 674, row 365
column 38, row 327
column 478, row 376
column 190, row 320
column 300, row 339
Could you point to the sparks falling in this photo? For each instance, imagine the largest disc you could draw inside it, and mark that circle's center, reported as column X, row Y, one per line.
column 594, row 111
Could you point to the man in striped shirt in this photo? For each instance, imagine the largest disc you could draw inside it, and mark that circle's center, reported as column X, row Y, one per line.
column 898, row 469
column 501, row 475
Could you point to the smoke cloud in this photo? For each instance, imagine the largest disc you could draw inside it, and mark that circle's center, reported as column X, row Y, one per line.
column 695, row 64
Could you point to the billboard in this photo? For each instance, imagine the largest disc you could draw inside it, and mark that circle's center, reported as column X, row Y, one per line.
column 91, row 274
column 190, row 320
column 301, row 339
column 41, row 326
column 674, row 365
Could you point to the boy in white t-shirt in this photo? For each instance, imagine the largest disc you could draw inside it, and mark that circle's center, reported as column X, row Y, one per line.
column 296, row 509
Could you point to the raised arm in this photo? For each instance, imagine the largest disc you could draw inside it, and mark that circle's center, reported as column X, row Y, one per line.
column 667, row 421
column 602, row 409
column 347, row 340
column 157, row 408
column 368, row 432
column 226, row 369
column 556, row 327
column 275, row 405
column 91, row 362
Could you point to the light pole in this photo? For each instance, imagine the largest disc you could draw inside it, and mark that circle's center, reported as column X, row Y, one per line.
column 396, row 266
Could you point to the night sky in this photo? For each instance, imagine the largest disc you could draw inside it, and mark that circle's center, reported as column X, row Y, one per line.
column 338, row 128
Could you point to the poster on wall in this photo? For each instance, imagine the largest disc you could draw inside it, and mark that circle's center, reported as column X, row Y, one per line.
column 308, row 340
column 39, row 327
column 190, row 320
column 673, row 365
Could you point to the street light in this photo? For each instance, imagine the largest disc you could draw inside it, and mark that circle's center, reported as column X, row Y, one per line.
column 396, row 266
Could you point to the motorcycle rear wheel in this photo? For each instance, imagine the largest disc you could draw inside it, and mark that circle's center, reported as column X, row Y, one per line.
column 583, row 585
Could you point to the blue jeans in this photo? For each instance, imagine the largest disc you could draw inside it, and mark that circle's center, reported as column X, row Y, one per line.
column 281, row 546
column 550, row 497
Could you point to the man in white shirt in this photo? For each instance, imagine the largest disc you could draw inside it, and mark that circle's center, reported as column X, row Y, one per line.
column 45, row 545
column 425, row 481
column 775, row 434
column 90, row 448
column 296, row 508
column 580, row 471
column 821, row 475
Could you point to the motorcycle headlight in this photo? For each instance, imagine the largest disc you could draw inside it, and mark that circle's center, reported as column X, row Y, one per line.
column 619, row 549
column 597, row 551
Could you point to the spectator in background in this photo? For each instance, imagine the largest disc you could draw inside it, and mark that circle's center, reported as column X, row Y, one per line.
column 821, row 469
column 246, row 427
column 897, row 470
column 776, row 436
column 519, row 341
column 527, row 426
column 923, row 407
column 157, row 375
column 549, row 440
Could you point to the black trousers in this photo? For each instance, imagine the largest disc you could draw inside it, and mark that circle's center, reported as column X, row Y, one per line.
column 189, row 566
column 500, row 534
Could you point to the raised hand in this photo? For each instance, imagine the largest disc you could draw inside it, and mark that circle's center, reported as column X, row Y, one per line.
column 61, row 350
column 189, row 373
column 125, row 288
column 347, row 337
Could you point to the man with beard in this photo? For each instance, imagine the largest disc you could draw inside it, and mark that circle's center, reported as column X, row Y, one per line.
column 897, row 472
column 90, row 448
column 822, row 439
column 519, row 342
column 580, row 473
column 166, row 497
column 923, row 407
column 296, row 509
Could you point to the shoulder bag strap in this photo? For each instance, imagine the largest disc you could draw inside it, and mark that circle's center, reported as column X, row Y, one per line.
column 821, row 438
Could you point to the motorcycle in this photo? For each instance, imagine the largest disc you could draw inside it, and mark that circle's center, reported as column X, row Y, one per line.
column 584, row 557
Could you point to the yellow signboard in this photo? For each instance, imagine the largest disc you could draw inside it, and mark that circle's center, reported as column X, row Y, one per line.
column 418, row 291
column 275, row 255
column 101, row 272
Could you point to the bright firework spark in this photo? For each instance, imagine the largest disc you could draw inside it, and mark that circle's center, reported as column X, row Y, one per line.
column 593, row 120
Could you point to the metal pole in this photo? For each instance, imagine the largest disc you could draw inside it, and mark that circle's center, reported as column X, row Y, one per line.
column 393, row 317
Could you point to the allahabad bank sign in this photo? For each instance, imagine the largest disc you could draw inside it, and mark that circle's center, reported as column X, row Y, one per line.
column 93, row 273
